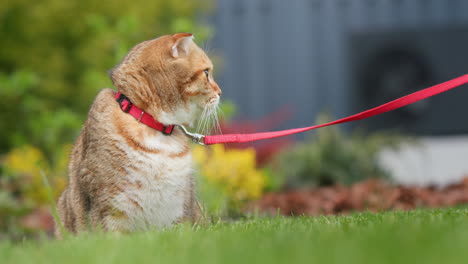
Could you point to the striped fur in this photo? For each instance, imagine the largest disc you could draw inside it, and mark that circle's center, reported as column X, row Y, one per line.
column 123, row 175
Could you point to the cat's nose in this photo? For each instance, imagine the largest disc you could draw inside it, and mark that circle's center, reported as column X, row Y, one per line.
column 216, row 89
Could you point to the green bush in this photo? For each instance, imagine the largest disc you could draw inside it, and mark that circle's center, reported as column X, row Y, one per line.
column 54, row 56
column 331, row 156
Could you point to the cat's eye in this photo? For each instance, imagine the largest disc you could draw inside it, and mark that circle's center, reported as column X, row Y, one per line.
column 207, row 73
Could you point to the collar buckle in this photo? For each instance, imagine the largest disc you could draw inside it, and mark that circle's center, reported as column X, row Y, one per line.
column 124, row 103
column 167, row 130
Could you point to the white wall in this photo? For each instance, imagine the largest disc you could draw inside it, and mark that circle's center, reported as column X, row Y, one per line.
column 434, row 161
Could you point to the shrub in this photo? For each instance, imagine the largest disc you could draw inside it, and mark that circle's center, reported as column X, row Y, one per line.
column 265, row 151
column 228, row 177
column 331, row 156
column 22, row 191
column 54, row 56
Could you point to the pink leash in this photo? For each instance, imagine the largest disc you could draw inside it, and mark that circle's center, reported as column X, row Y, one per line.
column 395, row 104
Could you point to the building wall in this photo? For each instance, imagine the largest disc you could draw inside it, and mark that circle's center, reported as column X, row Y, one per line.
column 311, row 55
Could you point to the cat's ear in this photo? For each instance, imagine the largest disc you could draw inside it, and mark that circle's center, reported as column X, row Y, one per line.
column 181, row 46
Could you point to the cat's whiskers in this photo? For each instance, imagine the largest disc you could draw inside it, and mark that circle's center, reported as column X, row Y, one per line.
column 216, row 116
column 200, row 120
column 208, row 121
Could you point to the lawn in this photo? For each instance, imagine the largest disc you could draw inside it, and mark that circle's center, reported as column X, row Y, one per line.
column 422, row 236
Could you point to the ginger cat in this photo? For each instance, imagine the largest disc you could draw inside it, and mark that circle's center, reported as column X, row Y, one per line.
column 125, row 176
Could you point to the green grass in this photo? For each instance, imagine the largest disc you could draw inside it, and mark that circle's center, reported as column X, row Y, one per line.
column 423, row 236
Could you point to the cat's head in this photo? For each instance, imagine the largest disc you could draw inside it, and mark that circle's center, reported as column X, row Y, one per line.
column 170, row 77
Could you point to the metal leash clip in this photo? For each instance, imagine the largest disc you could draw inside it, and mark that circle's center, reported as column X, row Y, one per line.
column 196, row 138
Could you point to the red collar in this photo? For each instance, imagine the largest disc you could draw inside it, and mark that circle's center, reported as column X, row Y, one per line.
column 141, row 116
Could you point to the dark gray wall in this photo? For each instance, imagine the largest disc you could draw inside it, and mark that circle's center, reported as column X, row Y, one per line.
column 311, row 54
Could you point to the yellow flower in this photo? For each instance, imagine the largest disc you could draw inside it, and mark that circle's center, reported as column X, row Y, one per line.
column 233, row 171
column 26, row 160
column 27, row 163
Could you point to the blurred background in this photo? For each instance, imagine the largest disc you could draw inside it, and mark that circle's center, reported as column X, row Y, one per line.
column 343, row 56
column 281, row 64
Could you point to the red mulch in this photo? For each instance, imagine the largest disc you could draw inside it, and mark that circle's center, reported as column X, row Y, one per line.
column 39, row 219
column 370, row 195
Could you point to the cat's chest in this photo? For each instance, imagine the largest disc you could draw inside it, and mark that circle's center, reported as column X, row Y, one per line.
column 164, row 165
column 158, row 182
